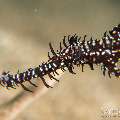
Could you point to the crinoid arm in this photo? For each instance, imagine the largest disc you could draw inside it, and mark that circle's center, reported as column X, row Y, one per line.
column 75, row 51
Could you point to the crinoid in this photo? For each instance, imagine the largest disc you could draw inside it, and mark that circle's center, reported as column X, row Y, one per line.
column 75, row 51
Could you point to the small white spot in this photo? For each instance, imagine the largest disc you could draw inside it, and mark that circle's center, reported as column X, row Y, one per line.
column 108, row 51
column 33, row 72
column 107, row 42
column 93, row 43
column 63, row 53
column 106, row 38
column 119, row 34
column 49, row 65
column 41, row 69
column 62, row 63
column 17, row 76
column 35, row 76
column 115, row 68
column 113, row 62
column 111, row 37
column 23, row 74
column 110, row 58
column 92, row 53
column 46, row 69
column 82, row 49
column 98, row 53
column 103, row 52
column 54, row 65
column 82, row 61
column 67, row 51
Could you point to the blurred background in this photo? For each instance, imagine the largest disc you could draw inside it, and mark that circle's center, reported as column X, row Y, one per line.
column 26, row 28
